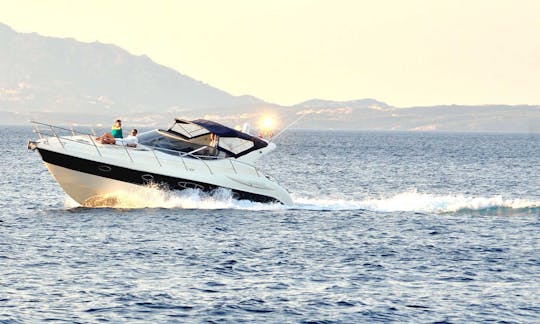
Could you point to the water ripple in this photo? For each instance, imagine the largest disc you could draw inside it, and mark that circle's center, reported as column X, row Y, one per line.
column 395, row 233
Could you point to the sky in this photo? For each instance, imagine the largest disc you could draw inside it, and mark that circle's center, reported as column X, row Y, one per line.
column 403, row 52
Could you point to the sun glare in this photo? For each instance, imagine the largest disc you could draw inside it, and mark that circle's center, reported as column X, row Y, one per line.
column 267, row 123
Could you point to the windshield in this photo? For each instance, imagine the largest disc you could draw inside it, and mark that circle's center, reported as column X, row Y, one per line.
column 165, row 141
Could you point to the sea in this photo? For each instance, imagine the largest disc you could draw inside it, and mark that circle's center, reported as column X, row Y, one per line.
column 403, row 227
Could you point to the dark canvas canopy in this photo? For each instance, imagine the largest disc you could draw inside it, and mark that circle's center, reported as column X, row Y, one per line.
column 224, row 131
column 234, row 142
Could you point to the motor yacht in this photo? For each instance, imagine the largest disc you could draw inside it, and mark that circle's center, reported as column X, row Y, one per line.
column 199, row 154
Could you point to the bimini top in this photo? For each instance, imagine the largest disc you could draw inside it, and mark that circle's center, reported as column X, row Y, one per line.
column 231, row 141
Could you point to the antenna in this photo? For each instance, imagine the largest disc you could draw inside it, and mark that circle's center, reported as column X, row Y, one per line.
column 288, row 126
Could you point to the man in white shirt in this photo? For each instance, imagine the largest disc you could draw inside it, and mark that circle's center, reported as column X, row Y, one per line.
column 132, row 139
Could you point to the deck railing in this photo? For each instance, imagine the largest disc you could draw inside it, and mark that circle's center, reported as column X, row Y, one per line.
column 45, row 131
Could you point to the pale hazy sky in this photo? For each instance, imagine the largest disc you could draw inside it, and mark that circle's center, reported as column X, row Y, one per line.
column 403, row 52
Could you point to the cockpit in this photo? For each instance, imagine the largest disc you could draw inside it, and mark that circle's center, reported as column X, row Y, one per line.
column 201, row 137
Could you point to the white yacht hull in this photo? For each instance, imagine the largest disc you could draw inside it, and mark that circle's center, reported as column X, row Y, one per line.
column 85, row 171
column 83, row 187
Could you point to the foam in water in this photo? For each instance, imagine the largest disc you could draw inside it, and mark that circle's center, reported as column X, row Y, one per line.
column 409, row 201
column 153, row 196
column 412, row 201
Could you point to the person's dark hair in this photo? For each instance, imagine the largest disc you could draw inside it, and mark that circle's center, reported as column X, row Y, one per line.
column 135, row 130
column 118, row 121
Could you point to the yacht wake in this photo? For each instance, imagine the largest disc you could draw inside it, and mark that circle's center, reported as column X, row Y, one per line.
column 413, row 201
column 409, row 201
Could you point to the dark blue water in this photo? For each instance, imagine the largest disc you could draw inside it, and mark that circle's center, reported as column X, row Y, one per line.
column 387, row 227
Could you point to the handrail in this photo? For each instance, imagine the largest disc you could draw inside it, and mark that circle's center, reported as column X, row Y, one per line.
column 72, row 131
column 35, row 130
column 95, row 145
column 181, row 155
column 154, row 152
column 198, row 158
column 194, row 151
column 56, row 135
column 232, row 164
column 248, row 165
column 58, row 127
column 127, row 152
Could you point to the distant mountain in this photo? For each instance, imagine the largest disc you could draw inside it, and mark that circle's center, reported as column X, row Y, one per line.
column 369, row 114
column 355, row 104
column 59, row 79
column 63, row 76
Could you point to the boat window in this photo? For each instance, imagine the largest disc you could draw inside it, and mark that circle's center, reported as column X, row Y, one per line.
column 201, row 140
column 188, row 130
column 235, row 145
column 175, row 141
column 161, row 140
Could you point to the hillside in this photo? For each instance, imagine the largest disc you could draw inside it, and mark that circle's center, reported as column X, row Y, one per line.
column 48, row 78
column 45, row 75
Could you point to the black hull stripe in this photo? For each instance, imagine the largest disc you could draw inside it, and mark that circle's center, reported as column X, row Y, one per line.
column 137, row 177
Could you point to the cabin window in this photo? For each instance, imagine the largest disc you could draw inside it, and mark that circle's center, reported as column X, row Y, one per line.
column 188, row 130
column 158, row 140
column 234, row 144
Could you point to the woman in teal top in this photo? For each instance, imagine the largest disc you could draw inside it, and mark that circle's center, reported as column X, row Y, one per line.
column 116, row 129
